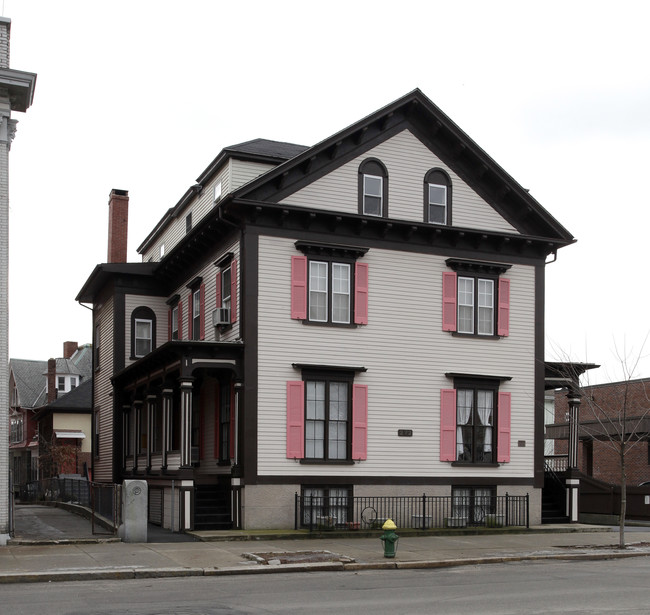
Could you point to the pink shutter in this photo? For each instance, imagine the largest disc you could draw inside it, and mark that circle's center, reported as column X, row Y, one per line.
column 217, row 401
column 189, row 316
column 503, row 326
column 449, row 301
column 180, row 320
column 299, row 287
column 503, row 420
column 233, row 291
column 361, row 293
column 169, row 325
column 448, row 425
column 295, row 419
column 359, row 421
column 202, row 311
column 218, row 297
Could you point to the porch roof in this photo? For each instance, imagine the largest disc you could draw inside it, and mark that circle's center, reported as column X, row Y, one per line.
column 185, row 356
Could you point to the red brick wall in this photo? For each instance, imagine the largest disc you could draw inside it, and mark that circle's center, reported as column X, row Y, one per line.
column 607, row 400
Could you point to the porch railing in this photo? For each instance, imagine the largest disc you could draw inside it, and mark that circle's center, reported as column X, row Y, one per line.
column 556, row 463
column 418, row 512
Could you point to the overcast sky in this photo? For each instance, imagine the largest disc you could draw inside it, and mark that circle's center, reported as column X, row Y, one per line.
column 142, row 95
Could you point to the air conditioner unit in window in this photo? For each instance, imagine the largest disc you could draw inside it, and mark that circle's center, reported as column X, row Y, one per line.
column 220, row 317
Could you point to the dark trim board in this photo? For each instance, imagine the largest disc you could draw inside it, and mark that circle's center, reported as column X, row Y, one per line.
column 392, row 480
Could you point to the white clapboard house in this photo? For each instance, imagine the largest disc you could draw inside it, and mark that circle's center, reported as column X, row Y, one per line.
column 364, row 317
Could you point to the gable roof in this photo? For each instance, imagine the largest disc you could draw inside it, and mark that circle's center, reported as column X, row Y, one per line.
column 452, row 145
column 28, row 377
column 79, row 398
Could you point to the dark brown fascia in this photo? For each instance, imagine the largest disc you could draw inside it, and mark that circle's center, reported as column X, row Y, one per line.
column 441, row 135
column 395, row 232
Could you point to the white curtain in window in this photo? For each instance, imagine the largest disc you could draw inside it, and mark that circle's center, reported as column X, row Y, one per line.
column 485, row 416
column 463, row 415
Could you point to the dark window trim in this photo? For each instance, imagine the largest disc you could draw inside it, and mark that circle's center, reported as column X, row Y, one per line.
column 224, row 261
column 313, row 368
column 477, row 268
column 330, row 260
column 330, row 250
column 195, row 283
column 327, row 376
column 445, row 180
column 173, row 300
column 475, row 383
column 142, row 313
column 374, row 166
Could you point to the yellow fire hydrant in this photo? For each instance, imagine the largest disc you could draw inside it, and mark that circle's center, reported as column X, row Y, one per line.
column 389, row 538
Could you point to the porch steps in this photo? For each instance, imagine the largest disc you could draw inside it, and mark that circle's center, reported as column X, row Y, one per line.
column 211, row 508
column 553, row 500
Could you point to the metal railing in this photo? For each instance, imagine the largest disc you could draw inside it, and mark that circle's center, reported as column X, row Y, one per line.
column 418, row 512
column 103, row 499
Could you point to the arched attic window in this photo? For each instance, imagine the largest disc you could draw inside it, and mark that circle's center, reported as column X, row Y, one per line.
column 143, row 332
column 373, row 188
column 437, row 197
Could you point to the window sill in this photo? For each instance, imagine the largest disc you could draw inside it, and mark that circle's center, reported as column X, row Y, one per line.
column 329, row 462
column 338, row 325
column 476, row 336
column 472, row 464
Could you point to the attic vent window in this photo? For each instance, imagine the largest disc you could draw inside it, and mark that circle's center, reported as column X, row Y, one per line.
column 217, row 191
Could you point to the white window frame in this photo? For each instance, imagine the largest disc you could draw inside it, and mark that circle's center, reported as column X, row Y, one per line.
column 226, row 280
column 431, row 203
column 196, row 314
column 477, row 305
column 339, row 292
column 217, row 191
column 60, row 383
column 175, row 322
column 318, row 292
column 136, row 337
column 73, row 382
column 368, row 194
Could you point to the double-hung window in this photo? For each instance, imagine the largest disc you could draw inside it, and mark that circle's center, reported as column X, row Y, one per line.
column 196, row 314
column 475, row 420
column 142, row 337
column 327, row 416
column 437, row 197
column 475, row 305
column 329, row 292
column 196, row 309
column 143, row 332
column 373, row 188
column 226, row 283
column 476, row 299
column 328, row 286
column 327, row 404
column 175, row 322
column 175, row 318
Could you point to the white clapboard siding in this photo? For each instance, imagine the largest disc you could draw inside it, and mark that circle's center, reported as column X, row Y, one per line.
column 103, row 392
column 407, row 161
column 406, row 354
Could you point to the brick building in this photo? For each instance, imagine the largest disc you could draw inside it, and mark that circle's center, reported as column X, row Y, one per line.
column 601, row 421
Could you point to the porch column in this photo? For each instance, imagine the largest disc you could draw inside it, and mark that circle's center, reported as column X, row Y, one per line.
column 137, row 407
column 151, row 408
column 572, row 482
column 167, row 395
column 127, row 435
column 574, row 427
column 186, row 422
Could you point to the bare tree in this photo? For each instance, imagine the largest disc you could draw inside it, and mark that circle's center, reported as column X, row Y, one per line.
column 620, row 419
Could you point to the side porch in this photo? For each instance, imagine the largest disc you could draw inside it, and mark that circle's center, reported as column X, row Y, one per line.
column 177, row 413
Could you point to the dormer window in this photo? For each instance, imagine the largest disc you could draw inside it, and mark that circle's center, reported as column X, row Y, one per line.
column 373, row 188
column 437, row 197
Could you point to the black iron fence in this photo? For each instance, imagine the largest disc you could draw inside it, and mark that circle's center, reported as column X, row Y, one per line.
column 418, row 512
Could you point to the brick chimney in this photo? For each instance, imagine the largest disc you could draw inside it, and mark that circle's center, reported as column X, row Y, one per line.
column 69, row 348
column 118, row 225
column 51, row 380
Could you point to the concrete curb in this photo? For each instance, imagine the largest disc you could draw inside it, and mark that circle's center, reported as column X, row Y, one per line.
column 160, row 573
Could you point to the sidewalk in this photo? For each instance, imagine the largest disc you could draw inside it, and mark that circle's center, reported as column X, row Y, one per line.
column 87, row 558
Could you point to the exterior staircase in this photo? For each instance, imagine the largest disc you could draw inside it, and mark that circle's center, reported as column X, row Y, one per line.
column 553, row 499
column 211, row 508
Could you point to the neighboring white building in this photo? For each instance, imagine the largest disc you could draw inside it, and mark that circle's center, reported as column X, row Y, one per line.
column 16, row 94
column 362, row 317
